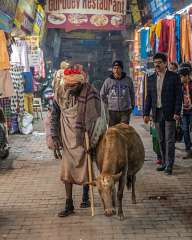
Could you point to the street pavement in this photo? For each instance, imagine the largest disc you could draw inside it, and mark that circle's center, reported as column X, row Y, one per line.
column 31, row 195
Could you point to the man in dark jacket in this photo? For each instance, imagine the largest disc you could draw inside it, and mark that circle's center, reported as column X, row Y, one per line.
column 164, row 98
column 187, row 108
column 118, row 94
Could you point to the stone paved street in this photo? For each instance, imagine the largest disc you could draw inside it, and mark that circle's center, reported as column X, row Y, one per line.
column 31, row 195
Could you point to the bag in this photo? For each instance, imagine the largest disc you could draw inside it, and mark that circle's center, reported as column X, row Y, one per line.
column 179, row 132
column 25, row 123
column 155, row 140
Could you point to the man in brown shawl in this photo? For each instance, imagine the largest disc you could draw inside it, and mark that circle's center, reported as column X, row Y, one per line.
column 76, row 109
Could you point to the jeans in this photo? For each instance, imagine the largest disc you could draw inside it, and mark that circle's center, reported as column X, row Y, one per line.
column 186, row 123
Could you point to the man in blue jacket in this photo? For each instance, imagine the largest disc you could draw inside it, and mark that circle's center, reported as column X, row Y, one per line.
column 118, row 94
column 164, row 98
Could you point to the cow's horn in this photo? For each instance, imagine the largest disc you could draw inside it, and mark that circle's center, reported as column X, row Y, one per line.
column 117, row 176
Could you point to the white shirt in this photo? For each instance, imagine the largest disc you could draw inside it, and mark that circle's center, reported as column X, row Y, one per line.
column 160, row 79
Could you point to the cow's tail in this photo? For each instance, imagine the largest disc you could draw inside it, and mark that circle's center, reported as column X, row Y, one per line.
column 129, row 182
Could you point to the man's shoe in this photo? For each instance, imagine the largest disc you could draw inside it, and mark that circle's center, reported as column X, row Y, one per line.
column 69, row 209
column 168, row 171
column 188, row 155
column 85, row 204
column 161, row 168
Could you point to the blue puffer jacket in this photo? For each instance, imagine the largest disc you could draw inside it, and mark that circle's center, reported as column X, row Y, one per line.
column 119, row 95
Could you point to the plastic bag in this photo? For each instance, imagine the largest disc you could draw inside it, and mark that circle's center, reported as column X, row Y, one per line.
column 26, row 126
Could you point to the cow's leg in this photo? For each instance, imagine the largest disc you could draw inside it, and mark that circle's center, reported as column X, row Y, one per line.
column 122, row 182
column 133, row 189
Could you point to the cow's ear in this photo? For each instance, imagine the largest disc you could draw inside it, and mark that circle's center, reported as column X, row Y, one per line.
column 117, row 176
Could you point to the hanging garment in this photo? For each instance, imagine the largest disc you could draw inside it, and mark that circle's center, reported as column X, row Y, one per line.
column 6, row 85
column 152, row 37
column 172, row 42
column 164, row 37
column 28, row 82
column 5, row 104
column 4, row 57
column 28, row 102
column 178, row 37
column 185, row 45
column 17, row 101
column 20, row 55
column 143, row 43
column 189, row 31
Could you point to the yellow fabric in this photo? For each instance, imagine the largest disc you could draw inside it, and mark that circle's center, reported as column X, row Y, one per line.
column 28, row 102
column 4, row 57
column 152, row 30
column 158, row 28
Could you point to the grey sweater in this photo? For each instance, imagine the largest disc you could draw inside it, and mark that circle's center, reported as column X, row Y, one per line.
column 119, row 95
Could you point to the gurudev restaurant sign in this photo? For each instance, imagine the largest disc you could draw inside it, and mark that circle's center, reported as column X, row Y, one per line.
column 86, row 14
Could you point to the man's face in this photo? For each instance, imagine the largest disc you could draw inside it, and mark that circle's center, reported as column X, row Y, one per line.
column 117, row 71
column 173, row 68
column 160, row 66
column 184, row 79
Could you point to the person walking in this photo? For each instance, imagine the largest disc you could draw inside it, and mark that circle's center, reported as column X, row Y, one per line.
column 164, row 98
column 76, row 109
column 118, row 94
column 187, row 108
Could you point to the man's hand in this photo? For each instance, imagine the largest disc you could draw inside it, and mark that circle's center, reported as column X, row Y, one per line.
column 146, row 119
column 57, row 146
column 176, row 117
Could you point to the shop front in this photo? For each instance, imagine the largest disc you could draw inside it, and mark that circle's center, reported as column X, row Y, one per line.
column 21, row 59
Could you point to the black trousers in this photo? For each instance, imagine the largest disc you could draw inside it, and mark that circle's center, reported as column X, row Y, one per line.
column 166, row 134
column 116, row 117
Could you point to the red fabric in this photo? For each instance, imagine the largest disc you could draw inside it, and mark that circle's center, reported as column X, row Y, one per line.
column 70, row 71
column 164, row 38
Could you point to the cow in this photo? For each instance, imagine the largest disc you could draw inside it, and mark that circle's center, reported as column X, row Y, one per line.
column 119, row 156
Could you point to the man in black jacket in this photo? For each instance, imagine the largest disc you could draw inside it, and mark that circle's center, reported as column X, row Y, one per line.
column 164, row 98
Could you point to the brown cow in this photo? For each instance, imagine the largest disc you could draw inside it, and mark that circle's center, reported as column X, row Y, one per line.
column 120, row 155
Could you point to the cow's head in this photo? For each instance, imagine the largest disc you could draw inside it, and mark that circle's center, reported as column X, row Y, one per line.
column 106, row 186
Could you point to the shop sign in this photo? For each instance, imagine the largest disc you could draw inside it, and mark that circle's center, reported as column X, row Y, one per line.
column 6, row 22
column 8, row 7
column 25, row 14
column 86, row 14
column 160, row 8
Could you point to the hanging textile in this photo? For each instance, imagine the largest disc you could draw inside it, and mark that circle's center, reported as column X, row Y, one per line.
column 143, row 43
column 164, row 37
column 6, row 85
column 178, row 37
column 5, row 104
column 185, row 45
column 20, row 54
column 28, row 102
column 17, row 101
column 172, row 41
column 28, row 82
column 4, row 57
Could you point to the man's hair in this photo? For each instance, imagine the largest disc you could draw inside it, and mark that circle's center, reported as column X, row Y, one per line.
column 160, row 55
column 184, row 71
column 186, row 65
column 175, row 64
column 118, row 63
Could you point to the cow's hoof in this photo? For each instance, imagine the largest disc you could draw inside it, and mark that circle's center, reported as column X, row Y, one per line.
column 110, row 212
column 121, row 216
column 134, row 201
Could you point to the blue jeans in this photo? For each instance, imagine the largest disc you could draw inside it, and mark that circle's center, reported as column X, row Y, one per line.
column 187, row 121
